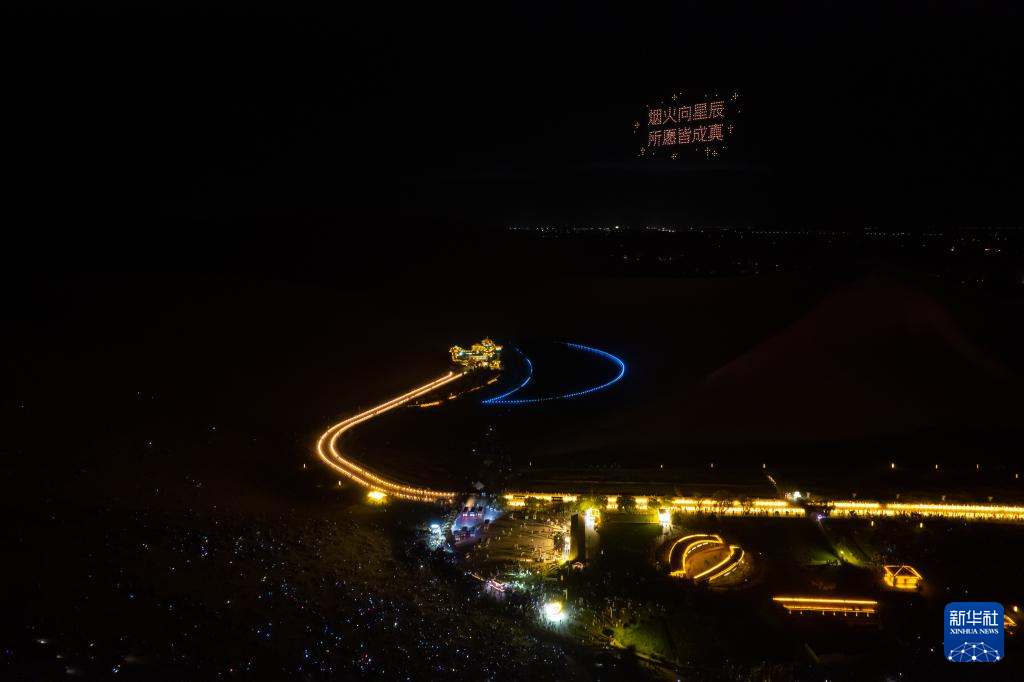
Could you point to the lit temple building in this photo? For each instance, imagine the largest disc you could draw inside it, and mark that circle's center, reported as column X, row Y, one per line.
column 902, row 577
column 483, row 355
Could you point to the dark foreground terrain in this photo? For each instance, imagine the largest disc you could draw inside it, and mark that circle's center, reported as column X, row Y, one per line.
column 165, row 517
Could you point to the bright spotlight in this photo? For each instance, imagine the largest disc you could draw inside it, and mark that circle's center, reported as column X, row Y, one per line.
column 553, row 611
column 376, row 495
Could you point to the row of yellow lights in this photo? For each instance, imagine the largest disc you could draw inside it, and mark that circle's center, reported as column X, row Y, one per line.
column 696, row 545
column 547, row 497
column 723, row 567
column 683, row 503
column 826, row 605
column 328, row 452
column 970, row 511
column 327, row 448
column 820, row 600
column 693, row 504
column 694, row 539
column 737, row 509
column 982, row 508
column 689, row 504
column 697, row 541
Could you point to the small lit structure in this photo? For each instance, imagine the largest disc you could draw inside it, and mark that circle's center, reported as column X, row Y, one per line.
column 664, row 517
column 828, row 607
column 902, row 577
column 483, row 355
column 376, row 496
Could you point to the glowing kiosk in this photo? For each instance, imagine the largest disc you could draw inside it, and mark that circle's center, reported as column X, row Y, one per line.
column 902, row 577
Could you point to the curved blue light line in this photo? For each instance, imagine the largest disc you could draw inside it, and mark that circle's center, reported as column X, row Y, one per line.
column 529, row 375
column 622, row 371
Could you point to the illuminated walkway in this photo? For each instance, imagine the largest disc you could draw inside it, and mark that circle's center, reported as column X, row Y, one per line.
column 965, row 512
column 377, row 483
column 775, row 508
column 327, row 449
column 680, row 559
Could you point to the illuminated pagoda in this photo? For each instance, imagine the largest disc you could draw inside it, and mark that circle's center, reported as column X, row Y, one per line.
column 902, row 577
column 483, row 355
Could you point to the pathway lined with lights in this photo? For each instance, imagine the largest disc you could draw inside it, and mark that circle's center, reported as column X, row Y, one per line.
column 679, row 561
column 380, row 486
column 843, row 607
column 777, row 508
column 327, row 450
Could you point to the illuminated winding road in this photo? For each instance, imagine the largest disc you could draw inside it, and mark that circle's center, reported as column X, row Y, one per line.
column 327, row 449
column 378, row 484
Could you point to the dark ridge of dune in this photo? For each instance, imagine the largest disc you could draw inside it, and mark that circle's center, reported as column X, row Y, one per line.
column 873, row 358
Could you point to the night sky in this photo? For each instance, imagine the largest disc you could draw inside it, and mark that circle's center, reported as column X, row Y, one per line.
column 184, row 132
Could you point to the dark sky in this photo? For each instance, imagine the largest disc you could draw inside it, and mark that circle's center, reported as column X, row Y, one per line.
column 153, row 127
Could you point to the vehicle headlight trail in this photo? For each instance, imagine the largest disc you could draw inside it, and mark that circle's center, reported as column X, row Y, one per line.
column 505, row 400
column 327, row 448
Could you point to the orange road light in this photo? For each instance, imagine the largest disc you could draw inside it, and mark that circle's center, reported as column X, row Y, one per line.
column 327, row 448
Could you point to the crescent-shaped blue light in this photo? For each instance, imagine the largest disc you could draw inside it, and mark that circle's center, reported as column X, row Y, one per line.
column 503, row 399
column 529, row 375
